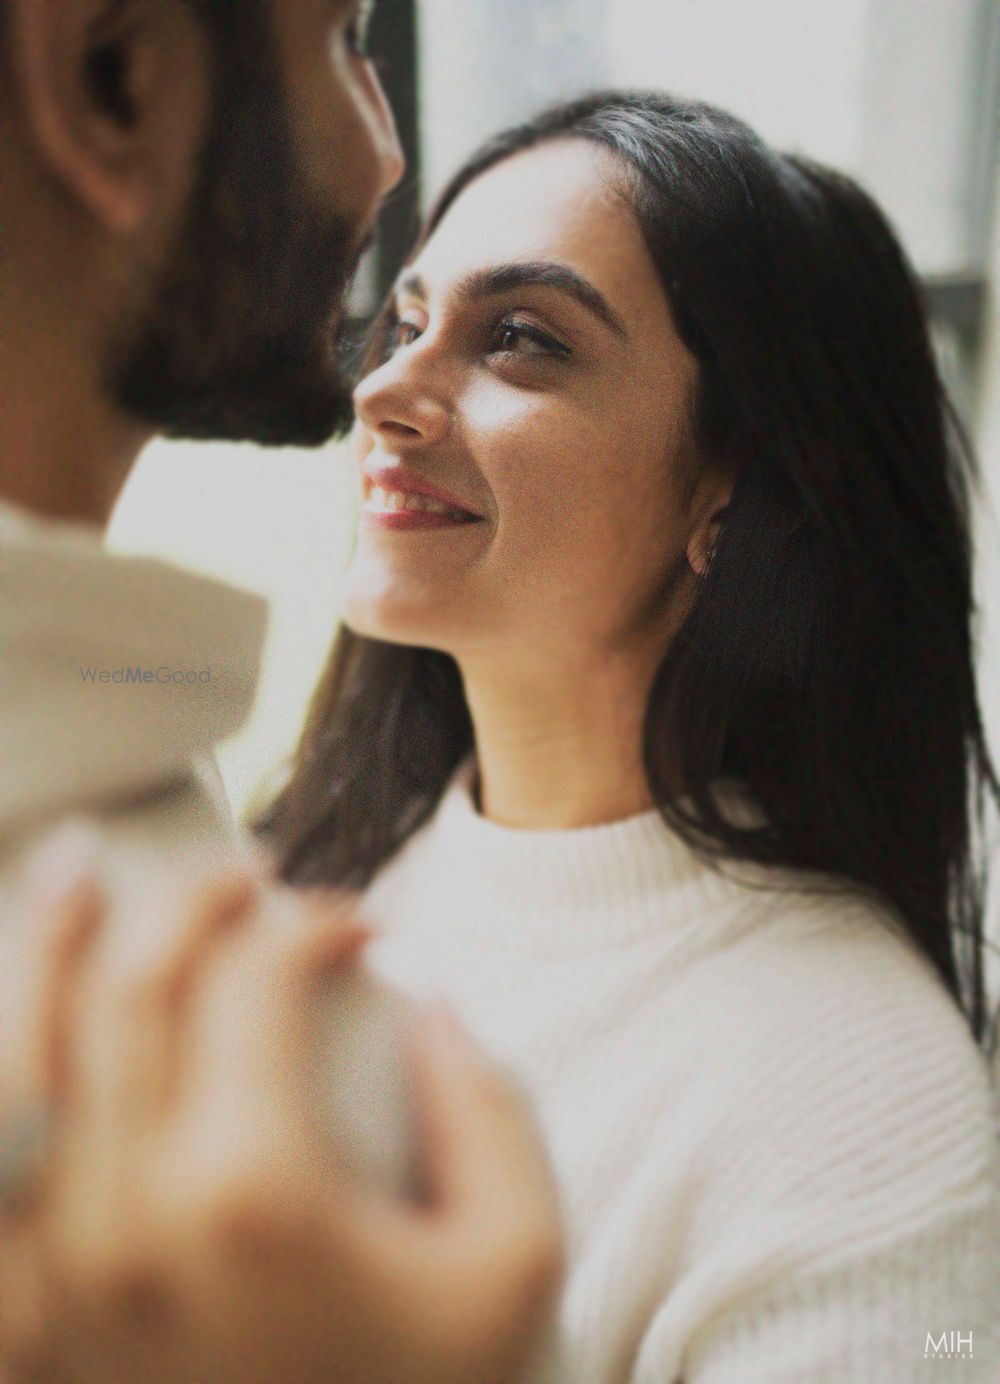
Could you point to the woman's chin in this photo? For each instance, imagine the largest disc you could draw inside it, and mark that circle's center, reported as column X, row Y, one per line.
column 424, row 608
column 395, row 619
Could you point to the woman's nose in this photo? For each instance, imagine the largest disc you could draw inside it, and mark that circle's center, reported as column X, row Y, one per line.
column 393, row 405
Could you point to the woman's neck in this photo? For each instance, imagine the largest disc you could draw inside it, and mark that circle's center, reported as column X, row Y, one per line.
column 557, row 751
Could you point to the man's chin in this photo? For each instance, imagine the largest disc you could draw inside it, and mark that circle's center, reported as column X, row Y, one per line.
column 268, row 423
column 278, row 378
column 279, row 404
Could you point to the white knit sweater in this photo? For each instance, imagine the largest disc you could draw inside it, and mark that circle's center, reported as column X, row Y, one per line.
column 775, row 1139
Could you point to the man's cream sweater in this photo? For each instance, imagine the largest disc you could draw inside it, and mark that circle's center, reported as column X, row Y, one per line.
column 775, row 1139
column 118, row 677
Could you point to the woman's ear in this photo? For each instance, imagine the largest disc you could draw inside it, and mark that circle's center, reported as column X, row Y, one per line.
column 701, row 548
column 710, row 506
column 90, row 78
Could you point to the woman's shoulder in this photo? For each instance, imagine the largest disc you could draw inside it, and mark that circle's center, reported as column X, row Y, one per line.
column 848, row 1063
column 841, row 1158
column 821, row 975
column 821, row 934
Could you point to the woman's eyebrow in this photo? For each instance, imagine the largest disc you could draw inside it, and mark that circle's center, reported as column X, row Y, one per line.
column 501, row 278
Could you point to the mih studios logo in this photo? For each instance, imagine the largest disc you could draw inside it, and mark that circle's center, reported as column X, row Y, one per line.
column 950, row 1345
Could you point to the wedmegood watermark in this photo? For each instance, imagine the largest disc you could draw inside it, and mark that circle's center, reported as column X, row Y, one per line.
column 188, row 677
column 950, row 1345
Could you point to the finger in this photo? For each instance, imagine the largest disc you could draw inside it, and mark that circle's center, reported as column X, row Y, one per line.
column 483, row 1153
column 155, row 1002
column 214, row 906
column 62, row 910
column 487, row 1165
column 328, row 947
column 254, row 1019
column 294, row 991
column 245, row 1103
column 478, row 1270
column 315, row 933
column 486, row 1175
column 76, row 921
column 291, row 908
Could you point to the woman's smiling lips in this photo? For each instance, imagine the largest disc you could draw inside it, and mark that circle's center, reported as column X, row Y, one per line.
column 397, row 498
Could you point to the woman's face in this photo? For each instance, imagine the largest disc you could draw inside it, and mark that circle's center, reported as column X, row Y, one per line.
column 533, row 378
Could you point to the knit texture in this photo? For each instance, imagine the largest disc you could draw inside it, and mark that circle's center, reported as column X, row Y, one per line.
column 775, row 1140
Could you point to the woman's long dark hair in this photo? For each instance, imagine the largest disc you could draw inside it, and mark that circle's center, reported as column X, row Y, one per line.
column 826, row 663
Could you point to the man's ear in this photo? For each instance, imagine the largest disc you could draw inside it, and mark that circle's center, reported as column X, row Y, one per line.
column 709, row 513
column 91, row 76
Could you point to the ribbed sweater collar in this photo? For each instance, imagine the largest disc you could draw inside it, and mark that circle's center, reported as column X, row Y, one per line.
column 545, row 892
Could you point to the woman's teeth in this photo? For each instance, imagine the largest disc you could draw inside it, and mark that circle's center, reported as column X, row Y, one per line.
column 382, row 499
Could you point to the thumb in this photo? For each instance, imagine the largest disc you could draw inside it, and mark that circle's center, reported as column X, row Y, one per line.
column 483, row 1256
column 484, row 1159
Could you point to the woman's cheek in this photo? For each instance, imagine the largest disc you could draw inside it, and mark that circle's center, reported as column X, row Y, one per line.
column 535, row 502
column 551, row 529
column 546, row 463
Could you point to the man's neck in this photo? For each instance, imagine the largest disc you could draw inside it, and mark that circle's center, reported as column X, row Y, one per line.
column 64, row 454
column 65, row 450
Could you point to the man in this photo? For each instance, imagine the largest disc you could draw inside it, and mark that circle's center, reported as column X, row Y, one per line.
column 185, row 187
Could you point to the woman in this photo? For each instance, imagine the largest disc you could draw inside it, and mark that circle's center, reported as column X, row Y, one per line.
column 654, row 738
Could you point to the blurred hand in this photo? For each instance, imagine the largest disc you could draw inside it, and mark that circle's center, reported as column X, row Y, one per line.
column 191, row 1223
column 458, row 1290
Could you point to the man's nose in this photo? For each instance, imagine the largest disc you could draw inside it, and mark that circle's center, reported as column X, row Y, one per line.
column 389, row 150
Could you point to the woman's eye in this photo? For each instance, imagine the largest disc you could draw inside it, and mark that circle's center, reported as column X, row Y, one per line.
column 507, row 338
column 358, row 31
column 405, row 333
column 398, row 334
column 520, row 338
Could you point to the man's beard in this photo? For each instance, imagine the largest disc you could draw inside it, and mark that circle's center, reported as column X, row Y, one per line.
column 237, row 338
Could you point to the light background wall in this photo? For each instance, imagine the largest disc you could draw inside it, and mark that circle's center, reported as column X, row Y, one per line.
column 902, row 93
